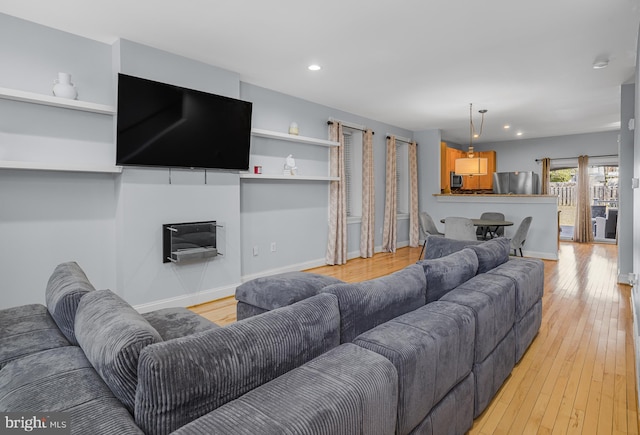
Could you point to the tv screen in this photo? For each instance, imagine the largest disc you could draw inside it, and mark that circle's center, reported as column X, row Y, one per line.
column 170, row 126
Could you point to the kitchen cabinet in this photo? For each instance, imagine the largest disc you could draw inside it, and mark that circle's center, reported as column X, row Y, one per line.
column 448, row 156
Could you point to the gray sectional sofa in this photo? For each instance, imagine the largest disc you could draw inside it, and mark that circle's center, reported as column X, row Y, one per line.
column 422, row 350
column 453, row 325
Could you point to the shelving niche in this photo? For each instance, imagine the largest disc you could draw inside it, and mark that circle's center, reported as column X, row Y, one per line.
column 301, row 140
column 52, row 101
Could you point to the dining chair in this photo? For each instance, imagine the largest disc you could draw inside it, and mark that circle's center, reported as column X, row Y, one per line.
column 518, row 239
column 427, row 228
column 459, row 228
column 481, row 232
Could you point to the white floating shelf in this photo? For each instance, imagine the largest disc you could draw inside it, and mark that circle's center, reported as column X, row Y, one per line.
column 293, row 138
column 38, row 166
column 50, row 100
column 287, row 177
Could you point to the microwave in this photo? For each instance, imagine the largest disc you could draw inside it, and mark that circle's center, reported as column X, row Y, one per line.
column 456, row 181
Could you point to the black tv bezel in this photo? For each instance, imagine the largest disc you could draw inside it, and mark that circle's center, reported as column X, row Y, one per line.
column 248, row 107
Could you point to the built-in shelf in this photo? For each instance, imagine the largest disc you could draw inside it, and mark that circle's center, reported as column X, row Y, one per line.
column 50, row 100
column 39, row 166
column 288, row 177
column 293, row 138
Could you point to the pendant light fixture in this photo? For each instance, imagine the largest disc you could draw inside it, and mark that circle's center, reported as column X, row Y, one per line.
column 472, row 165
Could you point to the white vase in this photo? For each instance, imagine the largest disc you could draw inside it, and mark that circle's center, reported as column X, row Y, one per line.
column 63, row 88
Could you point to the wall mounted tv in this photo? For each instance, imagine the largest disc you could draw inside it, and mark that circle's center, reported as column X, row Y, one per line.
column 164, row 125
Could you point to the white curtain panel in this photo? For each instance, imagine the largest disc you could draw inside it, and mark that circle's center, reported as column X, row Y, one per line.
column 414, row 223
column 389, row 230
column 337, row 243
column 367, row 228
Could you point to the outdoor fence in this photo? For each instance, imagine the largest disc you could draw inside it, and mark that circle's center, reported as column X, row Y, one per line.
column 600, row 194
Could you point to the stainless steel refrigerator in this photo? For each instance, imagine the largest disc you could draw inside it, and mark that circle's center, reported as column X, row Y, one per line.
column 521, row 182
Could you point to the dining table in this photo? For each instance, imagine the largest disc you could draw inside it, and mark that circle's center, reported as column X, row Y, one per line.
column 492, row 225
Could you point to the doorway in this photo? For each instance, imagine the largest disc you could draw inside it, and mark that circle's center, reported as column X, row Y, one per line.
column 603, row 190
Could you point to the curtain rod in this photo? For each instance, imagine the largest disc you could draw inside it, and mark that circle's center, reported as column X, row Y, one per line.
column 349, row 125
column 401, row 139
column 567, row 158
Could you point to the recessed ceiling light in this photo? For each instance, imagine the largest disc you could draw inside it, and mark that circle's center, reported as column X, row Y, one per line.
column 519, row 133
column 314, row 67
column 600, row 63
column 507, row 127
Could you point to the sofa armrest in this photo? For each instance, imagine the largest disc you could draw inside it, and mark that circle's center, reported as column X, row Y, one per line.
column 347, row 390
column 177, row 322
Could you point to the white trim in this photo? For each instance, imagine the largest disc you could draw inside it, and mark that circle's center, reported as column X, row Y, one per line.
column 354, row 220
column 188, row 300
column 293, row 138
column 291, row 268
column 287, row 177
column 623, row 278
column 50, row 100
column 534, row 254
column 64, row 167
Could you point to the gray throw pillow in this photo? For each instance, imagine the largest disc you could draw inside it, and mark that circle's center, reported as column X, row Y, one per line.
column 112, row 334
column 446, row 273
column 67, row 284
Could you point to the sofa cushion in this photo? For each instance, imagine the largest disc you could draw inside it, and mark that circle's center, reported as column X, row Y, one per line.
column 527, row 275
column 446, row 273
column 177, row 322
column 203, row 371
column 367, row 304
column 328, row 395
column 438, row 247
column 491, row 253
column 112, row 334
column 432, row 350
column 27, row 329
column 63, row 380
column 67, row 284
column 281, row 290
column 492, row 300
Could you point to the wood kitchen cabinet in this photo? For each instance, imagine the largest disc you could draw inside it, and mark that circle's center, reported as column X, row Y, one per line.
column 448, row 157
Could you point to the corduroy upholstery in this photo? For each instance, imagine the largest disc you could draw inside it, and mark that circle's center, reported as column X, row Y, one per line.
column 63, row 380
column 492, row 301
column 446, row 273
column 367, row 304
column 453, row 415
column 27, row 329
column 432, row 349
column 67, row 285
column 276, row 291
column 112, row 334
column 177, row 322
column 438, row 247
column 528, row 278
column 202, row 372
column 491, row 254
column 330, row 395
column 491, row 373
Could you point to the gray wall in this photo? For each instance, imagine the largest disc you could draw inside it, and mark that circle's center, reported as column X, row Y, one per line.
column 626, row 207
column 47, row 217
column 294, row 214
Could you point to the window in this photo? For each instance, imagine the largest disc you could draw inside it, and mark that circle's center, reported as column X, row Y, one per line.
column 402, row 178
column 353, row 172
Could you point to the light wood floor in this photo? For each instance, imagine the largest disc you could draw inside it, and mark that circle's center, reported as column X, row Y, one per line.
column 577, row 377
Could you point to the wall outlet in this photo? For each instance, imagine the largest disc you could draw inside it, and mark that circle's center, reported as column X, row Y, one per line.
column 273, row 246
column 255, row 251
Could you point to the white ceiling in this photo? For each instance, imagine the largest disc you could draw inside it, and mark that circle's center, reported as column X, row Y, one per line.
column 415, row 64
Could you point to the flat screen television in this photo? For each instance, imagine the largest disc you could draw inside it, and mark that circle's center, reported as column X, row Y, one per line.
column 164, row 125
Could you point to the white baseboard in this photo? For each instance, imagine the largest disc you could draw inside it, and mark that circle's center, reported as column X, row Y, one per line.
column 188, row 300
column 623, row 278
column 540, row 255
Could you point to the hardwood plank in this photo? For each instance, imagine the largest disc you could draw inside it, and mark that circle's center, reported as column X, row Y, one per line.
column 578, row 376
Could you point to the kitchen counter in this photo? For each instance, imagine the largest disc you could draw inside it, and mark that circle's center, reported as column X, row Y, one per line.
column 542, row 240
